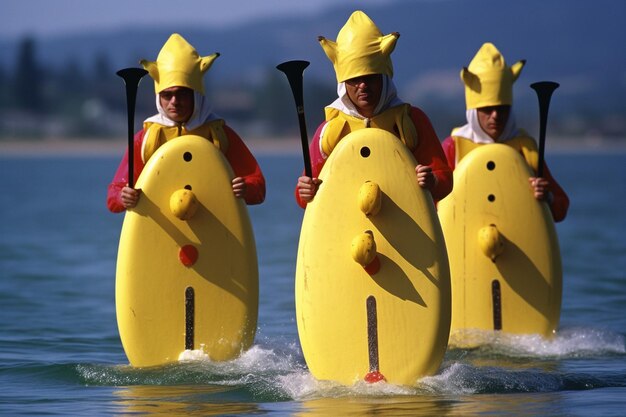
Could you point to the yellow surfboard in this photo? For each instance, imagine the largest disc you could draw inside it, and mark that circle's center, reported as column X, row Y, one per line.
column 372, row 278
column 187, row 273
column 505, row 261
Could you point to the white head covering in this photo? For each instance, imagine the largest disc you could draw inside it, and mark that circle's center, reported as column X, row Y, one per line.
column 388, row 98
column 476, row 134
column 202, row 113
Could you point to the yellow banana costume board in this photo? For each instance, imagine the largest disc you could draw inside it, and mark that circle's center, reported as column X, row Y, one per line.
column 187, row 273
column 504, row 253
column 369, row 214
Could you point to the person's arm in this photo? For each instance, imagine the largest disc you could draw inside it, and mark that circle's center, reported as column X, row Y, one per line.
column 547, row 189
column 115, row 202
column 244, row 166
column 449, row 151
column 430, row 153
column 307, row 187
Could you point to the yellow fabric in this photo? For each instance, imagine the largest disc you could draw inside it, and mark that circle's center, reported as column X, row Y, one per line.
column 488, row 80
column 178, row 65
column 360, row 49
column 396, row 120
column 523, row 143
column 156, row 135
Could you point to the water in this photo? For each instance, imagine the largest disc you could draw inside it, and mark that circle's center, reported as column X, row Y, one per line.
column 60, row 352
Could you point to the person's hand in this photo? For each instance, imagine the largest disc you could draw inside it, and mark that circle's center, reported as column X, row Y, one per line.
column 130, row 197
column 239, row 187
column 307, row 188
column 540, row 188
column 425, row 177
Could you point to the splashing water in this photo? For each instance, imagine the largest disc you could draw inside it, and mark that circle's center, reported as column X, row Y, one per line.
column 503, row 363
column 567, row 343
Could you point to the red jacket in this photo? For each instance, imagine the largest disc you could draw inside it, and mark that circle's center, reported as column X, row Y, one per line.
column 560, row 202
column 428, row 152
column 238, row 155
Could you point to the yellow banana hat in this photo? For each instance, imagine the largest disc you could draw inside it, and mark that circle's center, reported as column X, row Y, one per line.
column 178, row 65
column 360, row 49
column 488, row 80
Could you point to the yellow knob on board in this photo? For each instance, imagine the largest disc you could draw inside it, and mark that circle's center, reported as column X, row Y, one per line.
column 183, row 204
column 370, row 198
column 490, row 241
column 364, row 252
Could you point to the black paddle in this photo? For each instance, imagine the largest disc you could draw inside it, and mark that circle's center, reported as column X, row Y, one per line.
column 131, row 77
column 294, row 70
column 544, row 90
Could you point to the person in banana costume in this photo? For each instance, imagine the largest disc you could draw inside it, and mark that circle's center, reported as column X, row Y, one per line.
column 368, row 98
column 183, row 109
column 488, row 84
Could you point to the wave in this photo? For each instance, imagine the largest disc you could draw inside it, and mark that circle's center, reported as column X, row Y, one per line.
column 502, row 364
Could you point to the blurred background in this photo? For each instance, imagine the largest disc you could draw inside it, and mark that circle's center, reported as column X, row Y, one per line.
column 58, row 61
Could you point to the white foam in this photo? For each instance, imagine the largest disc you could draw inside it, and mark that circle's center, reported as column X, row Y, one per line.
column 452, row 379
column 193, row 355
column 499, row 364
column 568, row 342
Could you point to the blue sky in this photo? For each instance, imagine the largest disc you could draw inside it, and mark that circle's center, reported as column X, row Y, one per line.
column 54, row 17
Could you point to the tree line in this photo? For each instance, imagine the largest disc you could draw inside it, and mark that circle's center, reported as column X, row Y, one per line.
column 79, row 102
column 89, row 101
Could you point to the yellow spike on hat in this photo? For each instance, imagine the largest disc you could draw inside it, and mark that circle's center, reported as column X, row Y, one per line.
column 360, row 49
column 488, row 80
column 178, row 65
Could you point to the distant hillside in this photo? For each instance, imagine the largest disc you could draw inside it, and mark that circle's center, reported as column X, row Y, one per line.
column 578, row 43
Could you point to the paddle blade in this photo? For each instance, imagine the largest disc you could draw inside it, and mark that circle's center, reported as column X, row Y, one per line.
column 294, row 71
column 544, row 90
column 132, row 76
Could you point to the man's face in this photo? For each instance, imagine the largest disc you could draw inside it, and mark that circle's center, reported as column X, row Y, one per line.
column 177, row 102
column 493, row 119
column 365, row 92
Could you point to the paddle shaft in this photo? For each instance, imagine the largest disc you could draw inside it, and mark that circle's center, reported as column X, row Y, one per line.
column 132, row 77
column 294, row 71
column 544, row 90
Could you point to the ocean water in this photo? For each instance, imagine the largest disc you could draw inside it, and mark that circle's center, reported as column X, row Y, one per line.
column 60, row 352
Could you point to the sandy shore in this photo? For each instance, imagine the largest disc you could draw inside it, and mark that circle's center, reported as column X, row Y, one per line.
column 258, row 146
